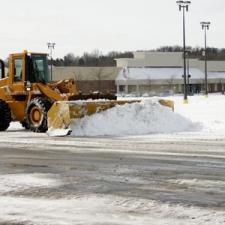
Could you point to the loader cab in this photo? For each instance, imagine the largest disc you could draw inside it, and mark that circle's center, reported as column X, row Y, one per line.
column 37, row 68
column 32, row 67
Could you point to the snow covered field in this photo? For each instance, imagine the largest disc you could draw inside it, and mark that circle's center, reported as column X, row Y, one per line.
column 107, row 210
column 209, row 112
column 153, row 167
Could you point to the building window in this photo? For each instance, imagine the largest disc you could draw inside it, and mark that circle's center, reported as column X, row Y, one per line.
column 121, row 88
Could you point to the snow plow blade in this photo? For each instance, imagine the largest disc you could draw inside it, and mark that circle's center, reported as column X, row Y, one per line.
column 62, row 112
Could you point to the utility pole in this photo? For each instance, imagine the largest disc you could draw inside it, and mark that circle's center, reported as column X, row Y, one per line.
column 51, row 46
column 205, row 27
column 183, row 6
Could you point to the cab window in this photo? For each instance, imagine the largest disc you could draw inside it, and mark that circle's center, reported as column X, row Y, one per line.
column 18, row 69
column 40, row 68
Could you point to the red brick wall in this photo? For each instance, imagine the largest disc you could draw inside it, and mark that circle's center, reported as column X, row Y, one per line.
column 95, row 85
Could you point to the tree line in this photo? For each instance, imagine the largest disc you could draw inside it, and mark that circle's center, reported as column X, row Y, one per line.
column 93, row 59
column 196, row 52
column 97, row 59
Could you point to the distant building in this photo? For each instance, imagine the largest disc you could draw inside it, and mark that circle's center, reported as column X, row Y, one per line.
column 89, row 79
column 155, row 73
column 167, row 60
column 149, row 73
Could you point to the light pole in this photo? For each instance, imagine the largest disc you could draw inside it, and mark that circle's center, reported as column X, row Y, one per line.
column 183, row 6
column 51, row 46
column 188, row 72
column 205, row 26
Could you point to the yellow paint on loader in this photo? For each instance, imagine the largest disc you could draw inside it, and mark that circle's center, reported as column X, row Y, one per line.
column 61, row 113
column 167, row 103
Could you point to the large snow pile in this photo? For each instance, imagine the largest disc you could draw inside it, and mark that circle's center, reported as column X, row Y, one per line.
column 145, row 117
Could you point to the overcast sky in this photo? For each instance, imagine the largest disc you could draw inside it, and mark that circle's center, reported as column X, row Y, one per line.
column 122, row 25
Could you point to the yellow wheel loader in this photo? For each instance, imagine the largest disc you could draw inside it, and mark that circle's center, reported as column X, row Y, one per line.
column 28, row 96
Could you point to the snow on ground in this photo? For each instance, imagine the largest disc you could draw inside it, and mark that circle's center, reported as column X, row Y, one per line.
column 213, row 186
column 15, row 126
column 114, row 210
column 202, row 117
column 91, row 209
column 146, row 117
column 13, row 182
column 208, row 111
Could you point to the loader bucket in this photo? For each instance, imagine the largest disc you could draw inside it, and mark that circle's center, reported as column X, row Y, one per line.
column 62, row 112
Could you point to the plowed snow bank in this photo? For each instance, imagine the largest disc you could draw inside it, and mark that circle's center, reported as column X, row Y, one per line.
column 141, row 118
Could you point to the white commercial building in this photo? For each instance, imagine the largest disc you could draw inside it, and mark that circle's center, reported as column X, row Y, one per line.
column 162, row 72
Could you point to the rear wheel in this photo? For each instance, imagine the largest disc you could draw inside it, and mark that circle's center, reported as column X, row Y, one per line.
column 5, row 115
column 36, row 115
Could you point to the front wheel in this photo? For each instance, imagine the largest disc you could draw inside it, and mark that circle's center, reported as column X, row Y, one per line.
column 25, row 124
column 36, row 115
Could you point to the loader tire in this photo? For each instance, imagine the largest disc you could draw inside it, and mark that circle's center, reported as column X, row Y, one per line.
column 25, row 125
column 36, row 115
column 5, row 115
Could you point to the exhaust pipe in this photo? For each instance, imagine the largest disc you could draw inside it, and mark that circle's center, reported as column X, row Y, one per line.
column 2, row 64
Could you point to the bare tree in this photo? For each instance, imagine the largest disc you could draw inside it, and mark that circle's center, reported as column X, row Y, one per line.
column 222, row 86
column 76, row 75
column 100, row 74
column 171, row 82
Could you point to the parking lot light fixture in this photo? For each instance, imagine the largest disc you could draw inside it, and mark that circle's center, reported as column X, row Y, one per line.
column 205, row 27
column 51, row 46
column 184, row 6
